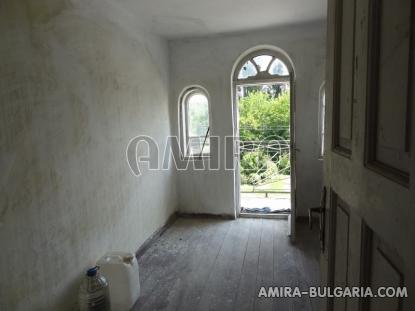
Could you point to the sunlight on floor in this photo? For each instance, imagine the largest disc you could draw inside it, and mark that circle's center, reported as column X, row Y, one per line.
column 274, row 204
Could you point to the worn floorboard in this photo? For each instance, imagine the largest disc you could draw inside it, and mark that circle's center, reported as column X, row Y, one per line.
column 213, row 264
column 265, row 275
column 247, row 290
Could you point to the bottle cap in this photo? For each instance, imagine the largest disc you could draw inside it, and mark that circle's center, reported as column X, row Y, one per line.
column 92, row 271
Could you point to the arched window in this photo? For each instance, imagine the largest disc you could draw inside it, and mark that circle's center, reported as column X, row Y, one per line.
column 269, row 72
column 262, row 66
column 195, row 122
column 263, row 126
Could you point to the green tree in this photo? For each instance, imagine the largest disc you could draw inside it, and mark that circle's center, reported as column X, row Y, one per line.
column 257, row 166
column 264, row 118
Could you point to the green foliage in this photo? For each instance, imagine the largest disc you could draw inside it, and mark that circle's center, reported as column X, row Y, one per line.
column 283, row 164
column 257, row 166
column 264, row 118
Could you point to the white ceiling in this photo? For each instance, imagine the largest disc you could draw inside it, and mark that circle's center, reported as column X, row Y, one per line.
column 184, row 18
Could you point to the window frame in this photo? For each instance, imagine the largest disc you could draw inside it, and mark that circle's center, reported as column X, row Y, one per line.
column 184, row 121
column 263, row 77
column 321, row 120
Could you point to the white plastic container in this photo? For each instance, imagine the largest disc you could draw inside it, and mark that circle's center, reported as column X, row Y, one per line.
column 121, row 271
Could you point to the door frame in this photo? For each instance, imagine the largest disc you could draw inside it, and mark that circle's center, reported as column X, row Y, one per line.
column 284, row 57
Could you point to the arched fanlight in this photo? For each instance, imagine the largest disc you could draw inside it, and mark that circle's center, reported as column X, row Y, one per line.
column 262, row 66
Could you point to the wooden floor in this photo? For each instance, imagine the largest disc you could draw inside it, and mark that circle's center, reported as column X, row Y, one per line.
column 205, row 264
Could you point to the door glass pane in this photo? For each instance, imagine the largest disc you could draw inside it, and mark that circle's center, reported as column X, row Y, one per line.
column 262, row 61
column 247, row 70
column 278, row 68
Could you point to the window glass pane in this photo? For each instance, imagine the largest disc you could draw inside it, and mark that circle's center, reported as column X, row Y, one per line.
column 322, row 116
column 197, row 124
column 262, row 61
column 278, row 68
column 195, row 145
column 248, row 70
column 198, row 115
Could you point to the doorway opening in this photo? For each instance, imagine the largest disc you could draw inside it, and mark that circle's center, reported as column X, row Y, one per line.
column 265, row 175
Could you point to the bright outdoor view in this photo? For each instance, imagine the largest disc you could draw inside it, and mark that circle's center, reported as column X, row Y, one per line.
column 264, row 125
column 197, row 124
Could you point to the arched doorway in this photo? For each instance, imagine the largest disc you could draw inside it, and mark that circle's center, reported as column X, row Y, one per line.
column 263, row 101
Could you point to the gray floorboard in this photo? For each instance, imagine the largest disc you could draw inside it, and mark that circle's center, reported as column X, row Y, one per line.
column 208, row 264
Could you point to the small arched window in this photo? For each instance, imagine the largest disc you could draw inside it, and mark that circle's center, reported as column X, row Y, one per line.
column 195, row 122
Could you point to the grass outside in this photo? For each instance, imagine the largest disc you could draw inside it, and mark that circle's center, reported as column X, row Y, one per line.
column 281, row 183
column 262, row 195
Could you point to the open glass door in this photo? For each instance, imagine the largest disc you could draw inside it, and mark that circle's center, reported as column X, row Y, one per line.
column 263, row 123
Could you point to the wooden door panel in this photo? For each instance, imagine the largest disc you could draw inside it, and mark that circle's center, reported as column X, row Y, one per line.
column 370, row 86
column 339, row 248
column 380, row 268
column 344, row 84
column 389, row 88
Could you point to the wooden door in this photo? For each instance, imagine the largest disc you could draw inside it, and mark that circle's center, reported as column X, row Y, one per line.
column 369, row 160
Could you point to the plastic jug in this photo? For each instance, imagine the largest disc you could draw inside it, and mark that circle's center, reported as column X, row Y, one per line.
column 93, row 292
column 121, row 271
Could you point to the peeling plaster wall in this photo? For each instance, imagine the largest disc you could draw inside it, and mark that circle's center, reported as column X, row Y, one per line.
column 208, row 62
column 78, row 81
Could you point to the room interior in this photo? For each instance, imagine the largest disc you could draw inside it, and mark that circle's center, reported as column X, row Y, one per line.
column 96, row 151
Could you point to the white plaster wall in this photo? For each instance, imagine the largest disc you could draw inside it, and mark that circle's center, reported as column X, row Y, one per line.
column 208, row 62
column 78, row 80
